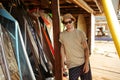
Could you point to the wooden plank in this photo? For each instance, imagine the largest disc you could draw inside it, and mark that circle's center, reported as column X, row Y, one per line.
column 56, row 31
column 84, row 5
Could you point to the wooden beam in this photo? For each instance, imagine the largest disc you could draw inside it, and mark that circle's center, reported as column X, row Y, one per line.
column 56, row 31
column 99, row 5
column 76, row 11
column 84, row 5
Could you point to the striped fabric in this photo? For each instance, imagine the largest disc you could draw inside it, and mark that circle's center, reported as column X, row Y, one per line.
column 76, row 72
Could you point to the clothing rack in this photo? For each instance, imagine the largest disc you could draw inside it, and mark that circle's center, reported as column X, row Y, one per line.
column 19, row 42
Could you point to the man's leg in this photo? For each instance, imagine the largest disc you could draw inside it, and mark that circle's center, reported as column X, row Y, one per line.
column 75, row 72
column 87, row 76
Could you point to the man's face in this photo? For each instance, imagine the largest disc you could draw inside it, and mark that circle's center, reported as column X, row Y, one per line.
column 68, row 23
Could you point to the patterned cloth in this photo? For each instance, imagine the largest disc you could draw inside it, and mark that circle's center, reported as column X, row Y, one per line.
column 76, row 72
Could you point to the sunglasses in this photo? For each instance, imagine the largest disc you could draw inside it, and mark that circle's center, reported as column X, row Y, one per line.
column 67, row 22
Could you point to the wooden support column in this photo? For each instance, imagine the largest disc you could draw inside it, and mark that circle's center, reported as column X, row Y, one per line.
column 56, row 31
column 92, row 33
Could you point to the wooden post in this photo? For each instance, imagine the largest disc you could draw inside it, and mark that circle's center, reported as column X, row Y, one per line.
column 56, row 31
column 92, row 33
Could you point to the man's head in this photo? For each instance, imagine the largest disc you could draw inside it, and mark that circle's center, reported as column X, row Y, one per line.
column 68, row 21
column 68, row 16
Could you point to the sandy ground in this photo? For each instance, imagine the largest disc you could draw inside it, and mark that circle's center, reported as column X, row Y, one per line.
column 105, row 63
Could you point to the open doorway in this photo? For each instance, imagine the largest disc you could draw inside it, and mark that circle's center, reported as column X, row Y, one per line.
column 105, row 63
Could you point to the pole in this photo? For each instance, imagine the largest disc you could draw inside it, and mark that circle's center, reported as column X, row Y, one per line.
column 112, row 23
column 56, row 31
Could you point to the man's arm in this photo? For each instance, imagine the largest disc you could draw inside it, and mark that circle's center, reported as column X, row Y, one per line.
column 62, row 55
column 86, row 52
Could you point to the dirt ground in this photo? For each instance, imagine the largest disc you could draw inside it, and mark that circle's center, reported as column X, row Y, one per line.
column 105, row 63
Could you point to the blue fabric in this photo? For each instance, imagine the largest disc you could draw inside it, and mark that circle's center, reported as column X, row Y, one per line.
column 13, row 27
column 6, row 14
column 13, row 32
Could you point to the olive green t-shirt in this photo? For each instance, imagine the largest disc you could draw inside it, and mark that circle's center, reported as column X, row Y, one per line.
column 73, row 48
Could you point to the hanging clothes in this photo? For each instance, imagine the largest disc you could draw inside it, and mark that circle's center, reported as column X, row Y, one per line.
column 38, row 30
column 37, row 56
column 46, row 36
column 11, row 64
column 45, row 57
column 27, row 31
column 33, row 48
column 24, row 66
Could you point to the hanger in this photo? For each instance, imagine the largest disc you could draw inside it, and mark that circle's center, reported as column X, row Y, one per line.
column 1, row 6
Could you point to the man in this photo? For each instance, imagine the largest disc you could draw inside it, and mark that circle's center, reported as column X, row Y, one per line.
column 74, row 50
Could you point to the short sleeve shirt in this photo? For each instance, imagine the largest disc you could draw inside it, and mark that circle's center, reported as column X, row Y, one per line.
column 74, row 51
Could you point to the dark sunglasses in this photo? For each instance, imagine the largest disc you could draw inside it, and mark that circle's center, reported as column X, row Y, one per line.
column 67, row 22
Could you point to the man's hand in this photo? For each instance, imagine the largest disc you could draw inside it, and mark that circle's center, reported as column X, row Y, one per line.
column 65, row 72
column 86, row 68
